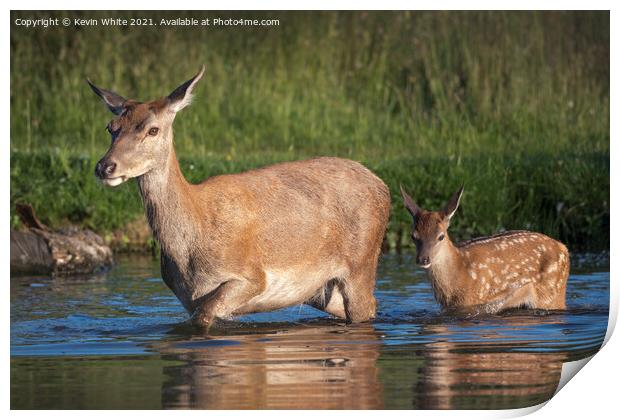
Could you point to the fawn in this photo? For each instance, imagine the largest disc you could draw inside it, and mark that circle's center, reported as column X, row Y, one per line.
column 291, row 233
column 507, row 270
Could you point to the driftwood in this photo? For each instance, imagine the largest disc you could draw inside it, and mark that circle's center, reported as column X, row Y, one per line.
column 39, row 250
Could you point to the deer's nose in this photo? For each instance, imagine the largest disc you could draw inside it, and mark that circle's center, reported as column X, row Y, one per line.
column 104, row 168
column 423, row 261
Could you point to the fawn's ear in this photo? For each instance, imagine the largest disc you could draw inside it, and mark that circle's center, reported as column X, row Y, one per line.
column 411, row 207
column 453, row 204
column 182, row 96
column 114, row 101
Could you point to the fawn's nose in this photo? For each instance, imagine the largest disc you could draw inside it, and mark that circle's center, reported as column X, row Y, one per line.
column 423, row 261
column 104, row 168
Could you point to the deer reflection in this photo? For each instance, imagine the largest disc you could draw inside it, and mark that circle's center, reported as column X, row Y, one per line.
column 311, row 366
column 486, row 374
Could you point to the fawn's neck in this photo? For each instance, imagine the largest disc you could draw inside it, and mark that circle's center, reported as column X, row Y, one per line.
column 444, row 274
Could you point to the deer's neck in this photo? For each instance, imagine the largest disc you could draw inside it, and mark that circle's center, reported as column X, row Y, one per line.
column 168, row 205
column 445, row 275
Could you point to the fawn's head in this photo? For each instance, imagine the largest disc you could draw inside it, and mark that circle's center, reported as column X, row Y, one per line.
column 430, row 228
column 141, row 132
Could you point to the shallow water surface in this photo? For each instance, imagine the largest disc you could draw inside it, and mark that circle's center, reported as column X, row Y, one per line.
column 118, row 340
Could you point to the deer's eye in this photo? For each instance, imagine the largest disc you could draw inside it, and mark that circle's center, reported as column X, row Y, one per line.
column 153, row 131
column 440, row 237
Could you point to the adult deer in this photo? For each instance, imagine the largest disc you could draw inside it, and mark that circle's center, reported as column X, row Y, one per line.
column 494, row 273
column 307, row 231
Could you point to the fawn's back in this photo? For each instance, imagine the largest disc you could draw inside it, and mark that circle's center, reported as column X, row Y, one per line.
column 497, row 265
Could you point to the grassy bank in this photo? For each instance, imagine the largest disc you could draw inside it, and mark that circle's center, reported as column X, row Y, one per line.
column 514, row 104
column 564, row 197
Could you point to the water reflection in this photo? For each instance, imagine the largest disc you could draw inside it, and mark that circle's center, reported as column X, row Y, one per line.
column 455, row 375
column 326, row 366
column 294, row 367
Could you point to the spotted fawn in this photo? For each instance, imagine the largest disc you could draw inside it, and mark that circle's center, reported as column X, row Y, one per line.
column 493, row 273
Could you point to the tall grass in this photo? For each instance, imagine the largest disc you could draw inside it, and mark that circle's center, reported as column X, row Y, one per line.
column 514, row 104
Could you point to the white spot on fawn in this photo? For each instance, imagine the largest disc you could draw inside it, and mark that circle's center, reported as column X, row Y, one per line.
column 552, row 268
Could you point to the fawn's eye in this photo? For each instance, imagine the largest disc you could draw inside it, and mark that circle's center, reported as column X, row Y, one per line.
column 440, row 237
column 153, row 131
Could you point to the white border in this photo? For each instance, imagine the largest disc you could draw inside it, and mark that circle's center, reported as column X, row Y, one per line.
column 593, row 394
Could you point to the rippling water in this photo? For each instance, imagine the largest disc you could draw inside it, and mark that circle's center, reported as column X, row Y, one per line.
column 118, row 341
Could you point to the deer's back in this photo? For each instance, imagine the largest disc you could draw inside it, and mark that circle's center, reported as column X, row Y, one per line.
column 503, row 261
column 299, row 210
column 340, row 186
column 512, row 246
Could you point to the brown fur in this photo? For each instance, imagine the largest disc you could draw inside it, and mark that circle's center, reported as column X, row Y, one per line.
column 307, row 231
column 506, row 270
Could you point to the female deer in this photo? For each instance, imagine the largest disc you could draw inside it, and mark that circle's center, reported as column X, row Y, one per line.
column 307, row 231
column 494, row 273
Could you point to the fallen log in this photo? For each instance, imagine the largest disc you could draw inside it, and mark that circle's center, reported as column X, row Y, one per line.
column 39, row 250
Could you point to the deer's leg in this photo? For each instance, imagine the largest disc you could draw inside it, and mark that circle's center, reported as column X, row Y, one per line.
column 560, row 299
column 551, row 296
column 359, row 286
column 329, row 299
column 552, row 287
column 225, row 299
column 523, row 296
column 358, row 295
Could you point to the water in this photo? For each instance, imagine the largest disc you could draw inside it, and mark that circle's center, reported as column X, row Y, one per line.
column 118, row 341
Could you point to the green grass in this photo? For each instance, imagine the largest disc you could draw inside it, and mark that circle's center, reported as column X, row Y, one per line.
column 563, row 197
column 513, row 104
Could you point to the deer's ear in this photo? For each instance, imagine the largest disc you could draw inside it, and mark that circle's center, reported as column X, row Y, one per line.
column 182, row 96
column 411, row 207
column 114, row 101
column 453, row 204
